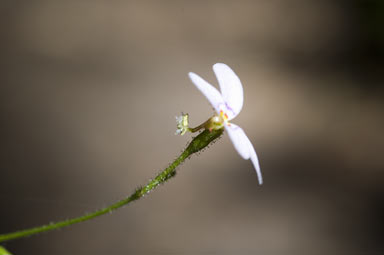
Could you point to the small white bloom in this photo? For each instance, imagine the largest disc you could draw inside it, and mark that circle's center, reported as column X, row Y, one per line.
column 228, row 105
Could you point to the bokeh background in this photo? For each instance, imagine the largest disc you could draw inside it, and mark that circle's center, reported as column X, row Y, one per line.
column 89, row 91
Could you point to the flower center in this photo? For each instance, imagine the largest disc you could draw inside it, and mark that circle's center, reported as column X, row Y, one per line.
column 224, row 117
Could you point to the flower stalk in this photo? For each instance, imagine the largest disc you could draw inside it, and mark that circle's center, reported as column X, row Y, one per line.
column 197, row 144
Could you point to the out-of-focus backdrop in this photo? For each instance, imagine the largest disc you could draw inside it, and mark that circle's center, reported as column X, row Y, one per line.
column 89, row 91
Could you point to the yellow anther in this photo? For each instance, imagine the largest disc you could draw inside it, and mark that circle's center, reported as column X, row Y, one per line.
column 224, row 116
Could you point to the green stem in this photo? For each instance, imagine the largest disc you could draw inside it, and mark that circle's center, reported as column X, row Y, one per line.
column 201, row 126
column 197, row 144
column 3, row 251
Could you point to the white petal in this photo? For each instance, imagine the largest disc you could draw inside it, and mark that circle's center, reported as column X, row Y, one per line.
column 255, row 162
column 231, row 89
column 239, row 140
column 244, row 147
column 210, row 92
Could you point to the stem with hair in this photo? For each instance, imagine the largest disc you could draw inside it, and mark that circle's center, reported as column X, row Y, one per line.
column 197, row 144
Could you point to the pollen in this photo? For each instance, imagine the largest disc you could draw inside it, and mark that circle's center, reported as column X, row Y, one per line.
column 224, row 115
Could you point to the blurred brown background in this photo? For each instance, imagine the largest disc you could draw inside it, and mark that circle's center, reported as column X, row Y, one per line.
column 88, row 95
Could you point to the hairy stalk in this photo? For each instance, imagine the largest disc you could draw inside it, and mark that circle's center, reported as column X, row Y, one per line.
column 198, row 143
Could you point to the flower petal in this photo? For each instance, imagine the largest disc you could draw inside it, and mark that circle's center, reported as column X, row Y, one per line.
column 210, row 92
column 239, row 140
column 244, row 147
column 255, row 162
column 231, row 89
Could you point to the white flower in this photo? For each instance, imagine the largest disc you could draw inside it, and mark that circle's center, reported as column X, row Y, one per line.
column 228, row 105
